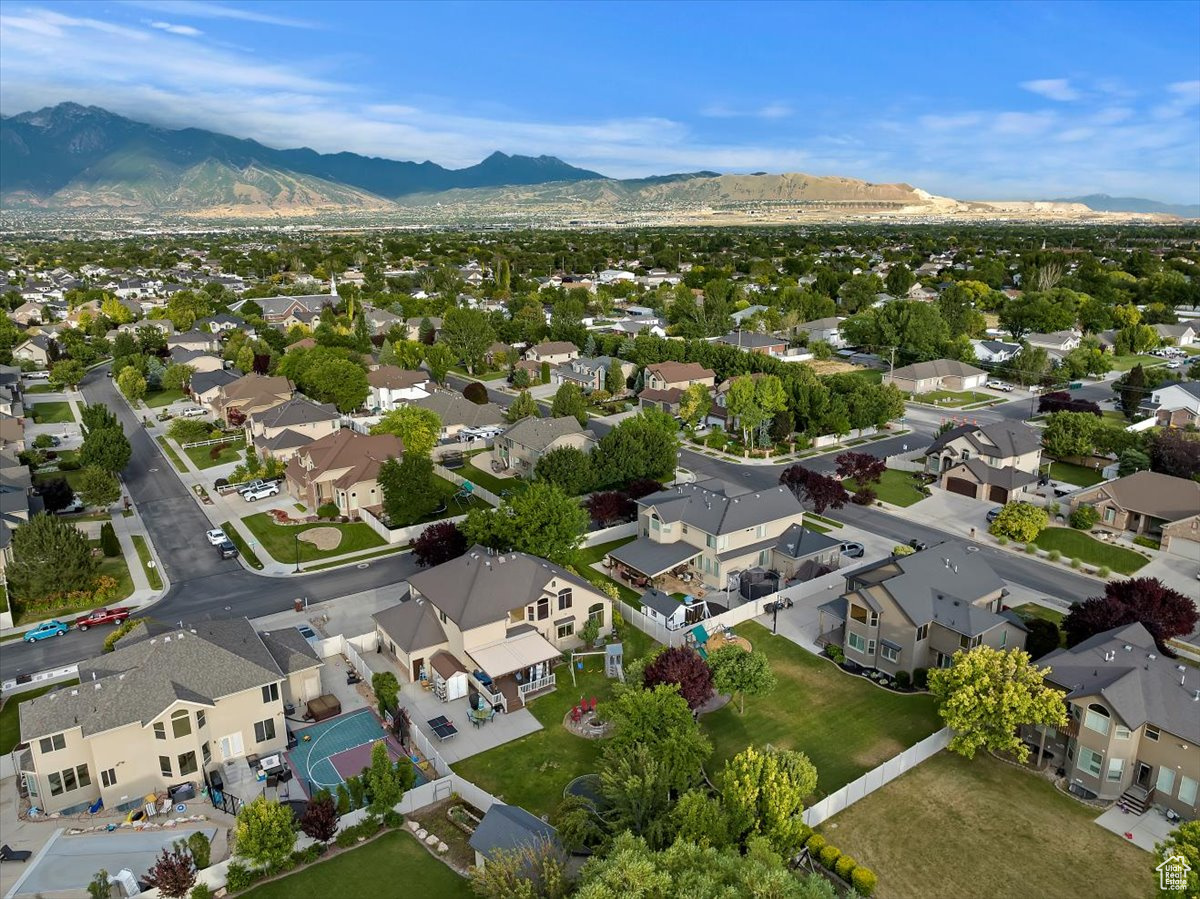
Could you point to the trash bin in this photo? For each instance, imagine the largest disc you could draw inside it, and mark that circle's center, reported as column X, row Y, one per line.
column 298, row 604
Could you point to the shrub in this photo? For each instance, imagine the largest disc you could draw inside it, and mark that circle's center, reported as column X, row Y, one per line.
column 1077, row 563
column 238, row 877
column 201, row 891
column 815, row 843
column 836, row 653
column 863, row 880
column 844, row 866
column 328, row 510
column 903, row 679
column 343, row 800
column 358, row 790
column 1031, row 548
column 1103, row 571
column 476, row 393
column 920, row 678
column 864, row 496
column 1019, row 521
column 805, row 832
column 1055, row 555
column 69, row 465
column 118, row 632
column 1003, row 541
column 392, row 818
column 829, row 856
column 108, row 540
column 200, row 848
column 1084, row 518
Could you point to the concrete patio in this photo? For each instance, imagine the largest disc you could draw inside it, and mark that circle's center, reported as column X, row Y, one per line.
column 471, row 740
column 1141, row 830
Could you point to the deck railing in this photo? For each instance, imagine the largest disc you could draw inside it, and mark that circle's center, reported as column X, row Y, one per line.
column 535, row 686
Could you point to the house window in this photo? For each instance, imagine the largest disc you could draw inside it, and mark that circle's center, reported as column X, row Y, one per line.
column 270, row 693
column 543, row 608
column 1097, row 719
column 160, row 730
column 187, row 763
column 1090, row 761
column 870, row 647
column 1110, row 515
column 892, row 655
column 874, row 622
column 922, row 632
column 858, row 613
column 1123, row 733
column 856, row 642
column 1166, row 780
column 51, row 744
column 566, row 629
column 596, row 613
column 181, row 723
column 108, row 778
column 56, row 786
column 564, row 599
column 969, row 642
column 760, row 531
column 1116, row 767
column 205, row 752
column 710, row 541
column 1187, row 790
column 200, row 719
column 1151, row 733
column 264, row 730
column 164, row 765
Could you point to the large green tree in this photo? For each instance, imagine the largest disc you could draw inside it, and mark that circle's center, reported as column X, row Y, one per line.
column 418, row 428
column 106, row 448
column 264, row 833
column 741, row 673
column 568, row 402
column 1183, row 842
column 98, row 487
column 660, row 720
column 641, row 446
column 409, row 489
column 540, row 520
column 763, row 791
column 468, row 333
column 50, row 556
column 131, row 384
column 568, row 468
column 67, row 372
column 337, row 381
column 522, row 407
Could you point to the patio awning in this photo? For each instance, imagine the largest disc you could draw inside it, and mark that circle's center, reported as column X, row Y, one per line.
column 652, row 559
column 514, row 654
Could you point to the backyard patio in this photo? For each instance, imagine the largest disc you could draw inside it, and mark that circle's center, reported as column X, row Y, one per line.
column 471, row 738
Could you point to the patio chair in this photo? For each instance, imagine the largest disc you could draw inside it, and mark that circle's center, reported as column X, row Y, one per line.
column 575, row 713
column 591, row 706
column 8, row 854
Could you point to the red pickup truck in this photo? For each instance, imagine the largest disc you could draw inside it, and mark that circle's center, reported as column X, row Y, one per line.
column 97, row 617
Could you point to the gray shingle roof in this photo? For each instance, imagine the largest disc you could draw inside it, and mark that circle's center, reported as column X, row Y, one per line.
column 999, row 440
column 454, row 409
column 1007, row 477
column 749, row 340
column 1151, row 493
column 797, row 542
column 713, row 512
column 651, row 558
column 204, row 381
column 297, row 411
column 937, row 368
column 411, row 624
column 663, row 603
column 508, row 827
column 539, row 433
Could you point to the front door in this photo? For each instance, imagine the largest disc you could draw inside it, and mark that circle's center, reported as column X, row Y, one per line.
column 1143, row 775
column 417, row 665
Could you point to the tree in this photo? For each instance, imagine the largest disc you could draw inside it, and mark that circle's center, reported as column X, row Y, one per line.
column 531, row 871
column 1063, row 401
column 1184, row 841
column 822, row 491
column 320, row 818
column 522, row 407
column 659, row 719
column 987, row 694
column 1043, row 637
column 99, row 887
column 386, row 688
column 1071, row 434
column 609, row 506
column 468, row 333
column 97, row 417
column 50, row 556
column 1028, row 366
column 568, row 468
column 417, row 428
column 569, row 401
column 438, row 359
column 1133, row 391
column 438, row 543
column 741, row 673
column 899, row 280
column 98, row 487
column 131, row 384
column 698, row 819
column 1176, row 453
column 476, row 393
column 694, row 404
column 641, row 447
column 177, row 376
column 1164, row 612
column 67, row 372
column 681, row 665
column 1084, row 517
column 863, row 468
column 540, row 520
column 614, row 378
column 173, row 872
column 763, row 792
column 1132, row 460
column 387, row 781
column 409, row 489
column 1019, row 521
column 107, row 448
column 337, row 381
column 636, row 795
column 57, row 494
column 109, row 545
column 264, row 833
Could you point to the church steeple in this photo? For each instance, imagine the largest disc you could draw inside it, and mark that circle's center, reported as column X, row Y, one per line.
column 332, row 286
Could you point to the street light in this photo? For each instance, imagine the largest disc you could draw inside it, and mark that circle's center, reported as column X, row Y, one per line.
column 296, row 540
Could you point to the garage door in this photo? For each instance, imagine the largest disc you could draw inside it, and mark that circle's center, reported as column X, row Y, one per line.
column 998, row 494
column 961, row 486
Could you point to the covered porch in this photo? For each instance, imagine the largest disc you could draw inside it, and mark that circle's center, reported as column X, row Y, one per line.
column 515, row 670
column 670, row 567
column 831, row 622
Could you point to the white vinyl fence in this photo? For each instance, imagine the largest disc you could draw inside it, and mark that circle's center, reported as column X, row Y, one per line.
column 877, row 777
column 454, row 478
column 398, row 536
column 607, row 535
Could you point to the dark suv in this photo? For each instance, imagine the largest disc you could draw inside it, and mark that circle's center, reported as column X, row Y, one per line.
column 227, row 549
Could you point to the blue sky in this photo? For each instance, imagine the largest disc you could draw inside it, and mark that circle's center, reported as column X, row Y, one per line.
column 971, row 100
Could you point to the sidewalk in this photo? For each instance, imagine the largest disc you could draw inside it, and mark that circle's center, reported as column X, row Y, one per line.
column 857, row 443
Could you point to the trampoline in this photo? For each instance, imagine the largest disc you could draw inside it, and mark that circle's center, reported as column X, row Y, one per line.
column 339, row 748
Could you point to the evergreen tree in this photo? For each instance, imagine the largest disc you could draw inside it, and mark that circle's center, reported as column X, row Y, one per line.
column 50, row 556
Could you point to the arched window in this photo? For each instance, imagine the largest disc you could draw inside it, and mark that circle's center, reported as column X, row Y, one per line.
column 181, row 723
column 565, row 598
column 596, row 613
column 1097, row 718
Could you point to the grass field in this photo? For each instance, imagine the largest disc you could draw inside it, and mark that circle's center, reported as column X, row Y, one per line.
column 115, row 567
column 593, row 554
column 10, row 722
column 1075, row 544
column 954, row 398
column 845, row 724
column 280, row 541
column 395, row 858
column 51, row 413
column 247, row 553
column 531, row 772
column 43, row 388
column 1075, row 474
column 201, row 456
column 1125, row 363
column 1002, row 832
column 158, row 398
column 366, row 557
column 143, row 551
column 478, row 474
column 73, row 477
column 172, row 456
column 895, row 487
column 1033, row 610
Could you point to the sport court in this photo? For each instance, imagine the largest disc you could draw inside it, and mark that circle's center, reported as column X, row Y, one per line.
column 331, row 752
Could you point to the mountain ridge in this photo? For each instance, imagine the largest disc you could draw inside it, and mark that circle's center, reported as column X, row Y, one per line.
column 1108, row 203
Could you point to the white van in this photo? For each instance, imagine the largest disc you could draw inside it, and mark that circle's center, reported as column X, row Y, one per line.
column 192, row 411
column 39, row 375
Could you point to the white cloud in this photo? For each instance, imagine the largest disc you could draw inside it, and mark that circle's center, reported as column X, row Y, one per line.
column 774, row 110
column 184, row 30
column 1052, row 89
column 200, row 9
column 1023, row 124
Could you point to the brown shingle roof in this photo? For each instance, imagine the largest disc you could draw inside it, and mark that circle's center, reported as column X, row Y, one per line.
column 393, row 377
column 1151, row 493
column 680, row 371
column 360, row 454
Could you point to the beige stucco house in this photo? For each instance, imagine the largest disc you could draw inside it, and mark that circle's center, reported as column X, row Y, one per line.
column 281, row 430
column 250, row 394
column 524, row 443
column 679, row 375
column 36, row 350
column 341, row 468
column 1151, row 504
column 996, row 462
column 938, row 374
column 163, row 709
column 502, row 619
column 555, row 352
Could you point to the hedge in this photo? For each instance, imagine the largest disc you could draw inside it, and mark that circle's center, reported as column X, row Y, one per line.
column 843, row 866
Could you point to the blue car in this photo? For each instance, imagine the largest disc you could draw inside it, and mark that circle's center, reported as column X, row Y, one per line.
column 44, row 630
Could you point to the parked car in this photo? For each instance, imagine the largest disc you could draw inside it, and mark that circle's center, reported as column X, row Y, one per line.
column 192, row 411
column 226, row 549
column 252, row 485
column 96, row 617
column 999, row 385
column 216, row 536
column 993, row 514
column 853, row 550
column 918, row 545
column 46, row 629
column 75, row 505
column 261, row 492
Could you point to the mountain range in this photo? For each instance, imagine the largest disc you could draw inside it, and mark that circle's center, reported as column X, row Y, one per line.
column 83, row 158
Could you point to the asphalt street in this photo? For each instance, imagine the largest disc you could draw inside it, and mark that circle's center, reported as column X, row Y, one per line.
column 203, row 586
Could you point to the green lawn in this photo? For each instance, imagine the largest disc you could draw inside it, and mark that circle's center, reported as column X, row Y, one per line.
column 366, row 557
column 1075, row 474
column 159, row 398
column 246, row 551
column 143, row 551
column 497, row 375
column 51, row 413
column 874, row 375
column 3, row 598
column 1125, row 363
column 844, row 723
column 43, row 388
column 201, row 456
column 1033, row 610
column 593, row 554
column 531, row 772
column 895, row 487
column 486, row 479
column 73, row 477
column 1009, row 832
column 1075, row 544
column 171, row 455
column 114, row 567
column 953, row 398
column 280, row 540
column 828, row 522
column 10, row 724
column 395, row 858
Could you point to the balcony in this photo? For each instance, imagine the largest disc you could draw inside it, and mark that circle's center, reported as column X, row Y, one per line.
column 526, row 690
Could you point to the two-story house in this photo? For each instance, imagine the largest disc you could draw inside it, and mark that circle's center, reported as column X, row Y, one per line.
column 457, row 413
column 554, row 352
column 828, row 329
column 1175, row 404
column 390, row 386
column 665, row 383
column 522, row 444
column 589, row 373
column 708, row 531
column 197, row 339
column 281, row 430
column 238, row 400
column 504, row 619
column 1133, row 725
column 342, row 469
column 995, row 462
column 165, row 708
column 197, row 360
column 917, row 611
column 36, row 349
column 205, row 386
